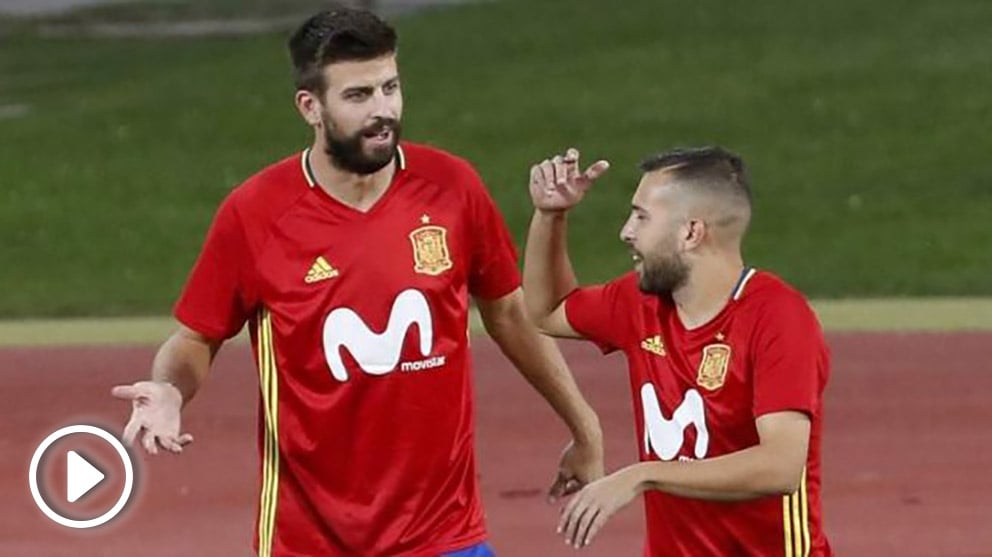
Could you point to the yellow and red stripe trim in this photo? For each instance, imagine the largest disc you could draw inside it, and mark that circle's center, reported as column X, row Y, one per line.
column 795, row 521
column 269, row 384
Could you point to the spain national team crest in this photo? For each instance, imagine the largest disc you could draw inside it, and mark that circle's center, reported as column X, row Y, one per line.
column 713, row 367
column 430, row 250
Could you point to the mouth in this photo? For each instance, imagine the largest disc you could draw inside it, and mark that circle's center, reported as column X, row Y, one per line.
column 380, row 136
column 638, row 260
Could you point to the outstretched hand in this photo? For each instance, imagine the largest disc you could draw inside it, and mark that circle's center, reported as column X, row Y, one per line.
column 155, row 416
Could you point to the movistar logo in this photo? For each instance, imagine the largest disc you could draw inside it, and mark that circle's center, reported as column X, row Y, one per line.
column 379, row 353
column 666, row 436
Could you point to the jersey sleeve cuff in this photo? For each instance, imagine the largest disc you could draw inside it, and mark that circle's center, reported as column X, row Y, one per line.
column 604, row 347
column 212, row 332
column 773, row 408
column 496, row 289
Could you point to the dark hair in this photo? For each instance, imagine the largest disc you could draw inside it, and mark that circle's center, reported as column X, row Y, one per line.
column 713, row 168
column 343, row 34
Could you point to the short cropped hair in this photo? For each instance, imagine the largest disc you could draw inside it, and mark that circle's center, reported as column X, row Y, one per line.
column 713, row 168
column 719, row 177
column 338, row 35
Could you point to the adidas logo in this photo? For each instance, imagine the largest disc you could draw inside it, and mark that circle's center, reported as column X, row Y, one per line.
column 320, row 270
column 654, row 345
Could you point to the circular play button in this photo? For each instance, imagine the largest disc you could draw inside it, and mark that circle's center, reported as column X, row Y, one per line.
column 72, row 480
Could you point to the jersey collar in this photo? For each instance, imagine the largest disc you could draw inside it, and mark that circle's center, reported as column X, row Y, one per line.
column 746, row 275
column 312, row 178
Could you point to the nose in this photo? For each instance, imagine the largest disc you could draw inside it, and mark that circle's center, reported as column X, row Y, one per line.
column 627, row 233
column 384, row 107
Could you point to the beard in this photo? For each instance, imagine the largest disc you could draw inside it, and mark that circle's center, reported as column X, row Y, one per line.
column 348, row 153
column 661, row 275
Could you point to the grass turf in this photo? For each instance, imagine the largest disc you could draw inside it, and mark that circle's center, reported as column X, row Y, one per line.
column 863, row 124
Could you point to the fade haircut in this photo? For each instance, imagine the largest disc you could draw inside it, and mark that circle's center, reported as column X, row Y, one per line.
column 713, row 172
column 338, row 35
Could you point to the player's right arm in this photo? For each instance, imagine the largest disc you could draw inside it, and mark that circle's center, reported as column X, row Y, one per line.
column 179, row 369
column 184, row 360
column 213, row 307
column 556, row 185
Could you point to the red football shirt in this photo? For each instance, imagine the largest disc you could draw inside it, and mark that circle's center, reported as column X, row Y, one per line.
column 359, row 321
column 697, row 394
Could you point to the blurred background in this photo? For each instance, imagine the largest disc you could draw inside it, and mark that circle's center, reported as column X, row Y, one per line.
column 865, row 126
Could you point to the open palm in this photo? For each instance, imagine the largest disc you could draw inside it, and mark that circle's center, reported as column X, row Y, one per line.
column 155, row 411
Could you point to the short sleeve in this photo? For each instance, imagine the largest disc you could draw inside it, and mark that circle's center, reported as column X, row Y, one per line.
column 605, row 313
column 213, row 300
column 789, row 358
column 493, row 271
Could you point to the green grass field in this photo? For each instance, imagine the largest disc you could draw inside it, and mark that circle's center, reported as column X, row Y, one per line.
column 864, row 125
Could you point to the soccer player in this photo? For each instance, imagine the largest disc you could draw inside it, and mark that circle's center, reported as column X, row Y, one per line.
column 727, row 363
column 353, row 263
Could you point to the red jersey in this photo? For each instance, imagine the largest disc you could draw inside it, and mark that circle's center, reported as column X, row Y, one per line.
column 697, row 394
column 359, row 322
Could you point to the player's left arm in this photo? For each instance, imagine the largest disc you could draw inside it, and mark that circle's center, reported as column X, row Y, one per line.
column 539, row 360
column 772, row 467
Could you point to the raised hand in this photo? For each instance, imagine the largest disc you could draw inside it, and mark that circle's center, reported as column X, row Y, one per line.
column 558, row 185
column 156, row 407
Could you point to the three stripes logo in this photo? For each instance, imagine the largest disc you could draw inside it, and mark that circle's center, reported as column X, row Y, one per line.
column 654, row 345
column 320, row 270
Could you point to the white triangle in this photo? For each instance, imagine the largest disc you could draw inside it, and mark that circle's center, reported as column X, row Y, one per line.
column 81, row 476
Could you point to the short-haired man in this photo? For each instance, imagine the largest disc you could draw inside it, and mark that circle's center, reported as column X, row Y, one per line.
column 727, row 364
column 353, row 262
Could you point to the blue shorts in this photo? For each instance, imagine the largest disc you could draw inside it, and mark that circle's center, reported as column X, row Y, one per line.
column 478, row 550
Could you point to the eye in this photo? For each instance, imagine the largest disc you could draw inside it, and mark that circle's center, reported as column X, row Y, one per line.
column 356, row 96
column 391, row 87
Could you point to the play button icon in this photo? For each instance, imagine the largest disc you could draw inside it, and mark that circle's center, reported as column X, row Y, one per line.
column 81, row 476
column 90, row 496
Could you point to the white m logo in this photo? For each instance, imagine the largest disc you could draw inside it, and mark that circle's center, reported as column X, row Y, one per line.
column 665, row 436
column 377, row 354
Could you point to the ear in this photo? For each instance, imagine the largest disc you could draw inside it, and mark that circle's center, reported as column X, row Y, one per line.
column 693, row 233
column 309, row 107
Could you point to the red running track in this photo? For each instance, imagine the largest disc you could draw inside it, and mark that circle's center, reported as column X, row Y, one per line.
column 908, row 442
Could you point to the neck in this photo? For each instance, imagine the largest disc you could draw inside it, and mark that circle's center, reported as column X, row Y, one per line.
column 707, row 290
column 360, row 191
